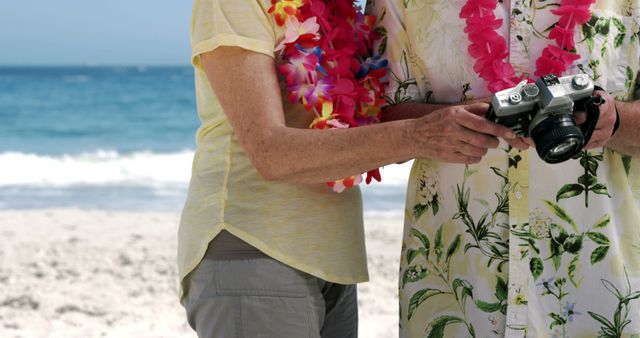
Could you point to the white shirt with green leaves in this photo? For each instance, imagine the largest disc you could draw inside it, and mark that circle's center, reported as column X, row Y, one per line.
column 513, row 246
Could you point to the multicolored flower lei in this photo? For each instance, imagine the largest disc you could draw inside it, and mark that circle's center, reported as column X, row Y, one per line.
column 490, row 49
column 329, row 66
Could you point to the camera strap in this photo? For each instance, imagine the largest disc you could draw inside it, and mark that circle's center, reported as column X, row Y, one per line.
column 617, row 123
column 592, row 108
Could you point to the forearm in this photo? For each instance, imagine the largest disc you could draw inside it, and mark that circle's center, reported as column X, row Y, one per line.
column 248, row 90
column 408, row 110
column 414, row 110
column 627, row 138
column 313, row 156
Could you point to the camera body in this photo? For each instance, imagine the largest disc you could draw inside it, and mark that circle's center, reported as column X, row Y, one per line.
column 544, row 111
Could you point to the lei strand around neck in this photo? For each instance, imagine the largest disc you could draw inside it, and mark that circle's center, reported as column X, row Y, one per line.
column 490, row 49
column 329, row 66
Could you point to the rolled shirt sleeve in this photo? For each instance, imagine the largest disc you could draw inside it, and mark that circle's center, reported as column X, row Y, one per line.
column 235, row 23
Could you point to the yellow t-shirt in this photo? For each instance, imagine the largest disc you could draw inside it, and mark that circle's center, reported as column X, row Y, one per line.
column 308, row 227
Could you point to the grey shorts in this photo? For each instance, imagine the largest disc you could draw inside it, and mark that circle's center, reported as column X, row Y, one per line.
column 238, row 292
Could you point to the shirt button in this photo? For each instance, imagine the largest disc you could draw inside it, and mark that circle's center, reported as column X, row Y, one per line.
column 518, row 195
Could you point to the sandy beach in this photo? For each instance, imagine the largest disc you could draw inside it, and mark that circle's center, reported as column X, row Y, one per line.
column 76, row 273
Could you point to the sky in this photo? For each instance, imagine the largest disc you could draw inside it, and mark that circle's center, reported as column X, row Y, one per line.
column 93, row 32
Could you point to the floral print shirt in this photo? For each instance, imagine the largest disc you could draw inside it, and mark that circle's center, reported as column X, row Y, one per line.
column 513, row 246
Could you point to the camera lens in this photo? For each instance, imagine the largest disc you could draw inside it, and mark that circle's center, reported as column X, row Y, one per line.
column 557, row 138
column 564, row 148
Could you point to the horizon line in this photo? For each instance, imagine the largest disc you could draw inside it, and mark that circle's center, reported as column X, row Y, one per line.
column 90, row 65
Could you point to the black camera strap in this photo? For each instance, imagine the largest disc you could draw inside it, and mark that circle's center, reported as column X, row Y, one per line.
column 616, row 125
column 592, row 108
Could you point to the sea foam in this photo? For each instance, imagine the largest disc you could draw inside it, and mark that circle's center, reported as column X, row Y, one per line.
column 137, row 169
column 101, row 167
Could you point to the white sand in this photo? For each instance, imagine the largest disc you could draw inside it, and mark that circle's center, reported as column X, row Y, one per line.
column 74, row 273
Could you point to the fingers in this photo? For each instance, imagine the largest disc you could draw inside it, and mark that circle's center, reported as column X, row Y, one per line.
column 457, row 157
column 519, row 143
column 461, row 134
column 470, row 136
column 468, row 119
column 477, row 108
column 470, row 150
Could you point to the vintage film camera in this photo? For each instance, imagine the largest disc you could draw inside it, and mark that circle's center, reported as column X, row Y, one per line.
column 544, row 112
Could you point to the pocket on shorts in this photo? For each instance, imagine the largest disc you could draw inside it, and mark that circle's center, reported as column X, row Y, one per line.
column 199, row 280
column 272, row 297
column 275, row 317
column 260, row 277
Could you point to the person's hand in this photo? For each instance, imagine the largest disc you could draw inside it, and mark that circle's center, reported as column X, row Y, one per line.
column 458, row 134
column 606, row 121
column 519, row 142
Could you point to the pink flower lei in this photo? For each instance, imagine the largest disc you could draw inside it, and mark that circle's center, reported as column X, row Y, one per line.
column 490, row 50
column 329, row 67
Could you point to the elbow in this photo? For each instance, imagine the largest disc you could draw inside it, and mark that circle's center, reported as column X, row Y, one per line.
column 267, row 170
column 266, row 158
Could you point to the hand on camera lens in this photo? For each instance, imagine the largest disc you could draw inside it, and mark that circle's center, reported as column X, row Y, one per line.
column 606, row 121
column 458, row 134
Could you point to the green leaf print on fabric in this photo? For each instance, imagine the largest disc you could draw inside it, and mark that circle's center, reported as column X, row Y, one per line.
column 426, row 245
column 489, row 307
column 411, row 255
column 536, row 266
column 602, row 222
column 568, row 191
column 453, row 247
column 437, row 243
column 599, row 254
column 501, row 295
column 626, row 162
column 599, row 238
column 558, row 211
column 433, row 262
column 514, row 158
column 465, row 89
column 413, row 274
column 628, row 82
column 382, row 48
column 420, row 297
column 436, row 327
column 562, row 243
column 466, row 290
column 614, row 328
column 403, row 83
column 485, row 239
column 573, row 270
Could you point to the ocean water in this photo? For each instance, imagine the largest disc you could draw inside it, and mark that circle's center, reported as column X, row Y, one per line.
column 116, row 138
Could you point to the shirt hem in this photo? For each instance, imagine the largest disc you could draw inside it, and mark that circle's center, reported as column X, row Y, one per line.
column 255, row 242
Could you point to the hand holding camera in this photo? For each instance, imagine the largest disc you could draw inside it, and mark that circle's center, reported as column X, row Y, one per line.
column 607, row 122
column 544, row 111
column 457, row 134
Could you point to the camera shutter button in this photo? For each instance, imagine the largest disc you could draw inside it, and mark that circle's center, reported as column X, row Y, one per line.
column 580, row 82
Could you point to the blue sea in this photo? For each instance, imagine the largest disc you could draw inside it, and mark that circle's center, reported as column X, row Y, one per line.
column 114, row 138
